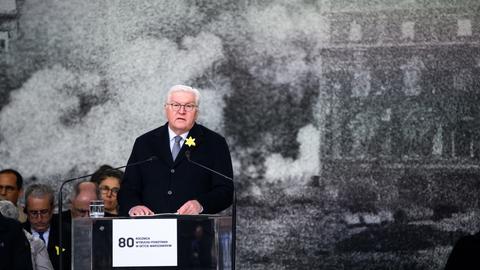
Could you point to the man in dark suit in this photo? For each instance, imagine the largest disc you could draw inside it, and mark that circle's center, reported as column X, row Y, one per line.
column 43, row 224
column 172, row 184
column 14, row 247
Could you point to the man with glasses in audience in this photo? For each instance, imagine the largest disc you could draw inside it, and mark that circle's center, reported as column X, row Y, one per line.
column 11, row 182
column 42, row 223
column 172, row 184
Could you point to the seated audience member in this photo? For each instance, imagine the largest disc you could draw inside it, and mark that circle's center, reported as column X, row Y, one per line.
column 14, row 246
column 38, row 250
column 464, row 254
column 11, row 183
column 83, row 193
column 108, row 181
column 43, row 224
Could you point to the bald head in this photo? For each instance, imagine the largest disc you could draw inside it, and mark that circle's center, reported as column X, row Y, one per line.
column 84, row 192
column 87, row 187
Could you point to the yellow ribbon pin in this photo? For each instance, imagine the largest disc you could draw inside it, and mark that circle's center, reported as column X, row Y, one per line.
column 57, row 248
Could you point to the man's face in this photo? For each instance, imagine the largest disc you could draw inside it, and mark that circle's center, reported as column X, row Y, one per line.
column 8, row 187
column 39, row 213
column 81, row 204
column 181, row 121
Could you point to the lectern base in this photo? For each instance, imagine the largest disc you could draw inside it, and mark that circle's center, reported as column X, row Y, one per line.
column 203, row 242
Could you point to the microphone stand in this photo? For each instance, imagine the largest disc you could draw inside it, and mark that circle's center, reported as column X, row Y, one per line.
column 60, row 204
column 234, row 206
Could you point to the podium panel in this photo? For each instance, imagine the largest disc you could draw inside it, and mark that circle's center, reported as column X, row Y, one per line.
column 202, row 242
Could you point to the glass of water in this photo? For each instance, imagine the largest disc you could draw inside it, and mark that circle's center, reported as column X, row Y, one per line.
column 97, row 209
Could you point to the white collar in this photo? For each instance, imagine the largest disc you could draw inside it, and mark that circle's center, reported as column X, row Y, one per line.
column 172, row 134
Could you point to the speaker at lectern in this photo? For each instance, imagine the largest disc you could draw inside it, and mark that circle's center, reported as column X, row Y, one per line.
column 152, row 242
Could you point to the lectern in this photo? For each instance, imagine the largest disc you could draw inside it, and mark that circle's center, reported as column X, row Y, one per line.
column 153, row 242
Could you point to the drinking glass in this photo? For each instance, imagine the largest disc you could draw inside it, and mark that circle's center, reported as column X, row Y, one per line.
column 97, row 209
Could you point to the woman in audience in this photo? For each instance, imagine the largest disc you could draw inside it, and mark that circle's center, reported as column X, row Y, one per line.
column 108, row 181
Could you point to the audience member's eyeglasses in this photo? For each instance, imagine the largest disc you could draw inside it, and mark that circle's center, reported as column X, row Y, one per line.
column 178, row 106
column 106, row 190
column 38, row 213
column 8, row 189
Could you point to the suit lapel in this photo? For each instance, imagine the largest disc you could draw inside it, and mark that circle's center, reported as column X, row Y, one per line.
column 197, row 134
column 52, row 241
column 161, row 144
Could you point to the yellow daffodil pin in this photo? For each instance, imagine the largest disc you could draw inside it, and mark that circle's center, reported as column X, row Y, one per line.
column 190, row 141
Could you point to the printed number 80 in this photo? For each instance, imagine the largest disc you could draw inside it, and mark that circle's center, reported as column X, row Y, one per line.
column 122, row 242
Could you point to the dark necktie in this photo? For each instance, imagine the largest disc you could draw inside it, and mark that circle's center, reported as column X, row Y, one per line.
column 40, row 234
column 176, row 147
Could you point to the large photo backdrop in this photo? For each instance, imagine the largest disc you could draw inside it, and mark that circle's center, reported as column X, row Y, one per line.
column 354, row 126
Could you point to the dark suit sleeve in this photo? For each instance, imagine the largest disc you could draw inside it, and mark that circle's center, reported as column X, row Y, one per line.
column 21, row 254
column 220, row 196
column 464, row 254
column 130, row 191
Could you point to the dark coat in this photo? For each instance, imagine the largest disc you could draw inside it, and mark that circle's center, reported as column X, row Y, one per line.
column 53, row 240
column 164, row 185
column 465, row 254
column 14, row 246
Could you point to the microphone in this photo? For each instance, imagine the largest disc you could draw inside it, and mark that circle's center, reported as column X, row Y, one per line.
column 60, row 202
column 234, row 204
column 187, row 154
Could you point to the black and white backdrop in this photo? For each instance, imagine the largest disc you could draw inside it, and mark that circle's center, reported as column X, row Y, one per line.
column 353, row 125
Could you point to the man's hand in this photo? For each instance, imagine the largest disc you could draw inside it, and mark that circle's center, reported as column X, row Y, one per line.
column 140, row 210
column 192, row 207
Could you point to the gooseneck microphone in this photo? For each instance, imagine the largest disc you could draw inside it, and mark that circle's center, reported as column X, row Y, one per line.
column 234, row 204
column 60, row 203
column 187, row 154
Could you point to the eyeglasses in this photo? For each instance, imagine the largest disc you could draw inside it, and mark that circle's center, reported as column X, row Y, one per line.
column 39, row 213
column 106, row 190
column 177, row 106
column 8, row 189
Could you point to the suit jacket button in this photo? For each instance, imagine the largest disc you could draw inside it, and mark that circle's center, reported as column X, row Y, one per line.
column 172, row 170
column 169, row 192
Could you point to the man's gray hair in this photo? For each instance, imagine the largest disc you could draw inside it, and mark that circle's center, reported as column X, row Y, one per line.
column 8, row 209
column 39, row 191
column 184, row 88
